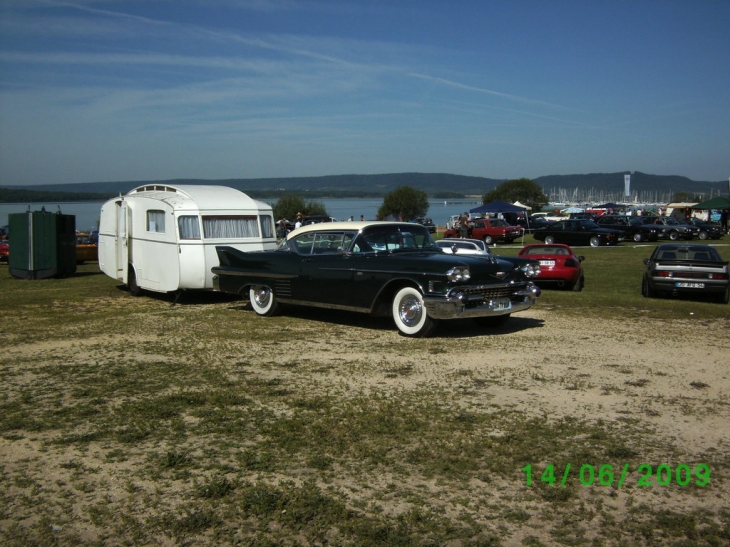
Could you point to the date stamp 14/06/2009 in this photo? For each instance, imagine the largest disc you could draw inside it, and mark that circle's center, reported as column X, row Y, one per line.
column 608, row 475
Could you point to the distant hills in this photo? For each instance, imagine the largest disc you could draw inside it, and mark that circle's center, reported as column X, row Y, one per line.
column 587, row 187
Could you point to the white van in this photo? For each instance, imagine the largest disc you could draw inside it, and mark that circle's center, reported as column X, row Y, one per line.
column 162, row 238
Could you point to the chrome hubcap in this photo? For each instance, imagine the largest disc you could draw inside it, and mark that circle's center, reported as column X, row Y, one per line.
column 410, row 311
column 262, row 295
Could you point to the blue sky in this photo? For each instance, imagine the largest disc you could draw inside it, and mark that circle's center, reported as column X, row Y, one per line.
column 105, row 90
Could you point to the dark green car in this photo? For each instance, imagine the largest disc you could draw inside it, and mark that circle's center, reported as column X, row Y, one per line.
column 380, row 268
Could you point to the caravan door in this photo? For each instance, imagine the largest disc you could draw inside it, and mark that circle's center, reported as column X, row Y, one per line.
column 113, row 239
column 122, row 241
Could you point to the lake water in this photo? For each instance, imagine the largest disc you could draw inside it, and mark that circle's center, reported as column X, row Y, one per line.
column 87, row 213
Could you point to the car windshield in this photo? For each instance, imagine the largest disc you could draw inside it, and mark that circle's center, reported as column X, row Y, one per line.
column 393, row 238
column 462, row 246
column 546, row 250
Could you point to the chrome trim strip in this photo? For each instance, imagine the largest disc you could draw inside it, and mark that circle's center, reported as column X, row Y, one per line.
column 322, row 305
column 268, row 275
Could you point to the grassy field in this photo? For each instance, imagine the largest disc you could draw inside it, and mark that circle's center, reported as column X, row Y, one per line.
column 133, row 421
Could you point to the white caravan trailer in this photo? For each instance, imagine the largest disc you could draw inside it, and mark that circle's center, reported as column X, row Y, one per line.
column 162, row 238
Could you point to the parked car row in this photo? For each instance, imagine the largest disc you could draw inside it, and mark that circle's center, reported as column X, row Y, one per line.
column 578, row 232
column 427, row 222
column 670, row 228
column 490, row 230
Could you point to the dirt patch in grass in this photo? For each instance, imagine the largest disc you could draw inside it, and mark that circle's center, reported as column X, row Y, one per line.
column 203, row 424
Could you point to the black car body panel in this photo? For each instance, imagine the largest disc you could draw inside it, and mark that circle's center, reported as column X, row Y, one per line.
column 686, row 269
column 360, row 266
column 631, row 226
column 707, row 230
column 671, row 228
column 578, row 232
column 427, row 222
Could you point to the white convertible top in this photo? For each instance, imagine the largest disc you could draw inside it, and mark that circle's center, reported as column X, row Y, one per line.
column 347, row 225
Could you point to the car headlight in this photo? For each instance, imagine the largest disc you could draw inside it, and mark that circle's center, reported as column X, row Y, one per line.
column 530, row 270
column 458, row 274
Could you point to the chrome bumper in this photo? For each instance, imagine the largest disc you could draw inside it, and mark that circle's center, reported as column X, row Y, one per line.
column 440, row 307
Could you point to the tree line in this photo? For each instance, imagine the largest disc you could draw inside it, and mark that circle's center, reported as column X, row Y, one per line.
column 407, row 203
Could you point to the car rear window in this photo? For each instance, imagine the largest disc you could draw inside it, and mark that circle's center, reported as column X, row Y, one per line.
column 695, row 252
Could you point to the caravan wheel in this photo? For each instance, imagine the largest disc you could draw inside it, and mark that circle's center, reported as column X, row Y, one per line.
column 132, row 282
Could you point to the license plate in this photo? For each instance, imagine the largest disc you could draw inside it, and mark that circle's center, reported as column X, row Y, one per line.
column 502, row 304
column 689, row 285
column 547, row 263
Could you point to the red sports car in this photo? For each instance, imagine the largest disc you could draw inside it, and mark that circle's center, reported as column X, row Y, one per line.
column 559, row 265
column 4, row 251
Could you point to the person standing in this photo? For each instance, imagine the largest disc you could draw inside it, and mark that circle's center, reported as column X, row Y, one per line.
column 724, row 219
column 464, row 225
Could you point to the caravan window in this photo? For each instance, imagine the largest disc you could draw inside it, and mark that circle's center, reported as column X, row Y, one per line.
column 189, row 227
column 156, row 221
column 226, row 227
column 267, row 226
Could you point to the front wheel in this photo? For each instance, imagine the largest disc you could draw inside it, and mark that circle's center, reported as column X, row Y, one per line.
column 674, row 235
column 595, row 241
column 549, row 240
column 704, row 235
column 638, row 237
column 409, row 313
column 488, row 239
column 263, row 300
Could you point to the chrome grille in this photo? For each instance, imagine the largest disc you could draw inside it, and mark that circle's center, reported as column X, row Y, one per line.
column 486, row 292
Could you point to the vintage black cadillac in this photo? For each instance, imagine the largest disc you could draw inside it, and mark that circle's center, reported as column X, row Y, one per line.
column 381, row 268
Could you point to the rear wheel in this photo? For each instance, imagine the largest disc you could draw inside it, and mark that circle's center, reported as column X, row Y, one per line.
column 488, row 239
column 409, row 314
column 595, row 241
column 724, row 298
column 578, row 285
column 646, row 291
column 549, row 240
column 263, row 300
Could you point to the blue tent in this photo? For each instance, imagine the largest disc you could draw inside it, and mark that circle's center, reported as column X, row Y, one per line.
column 498, row 207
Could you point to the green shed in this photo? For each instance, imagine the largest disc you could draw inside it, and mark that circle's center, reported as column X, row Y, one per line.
column 43, row 244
